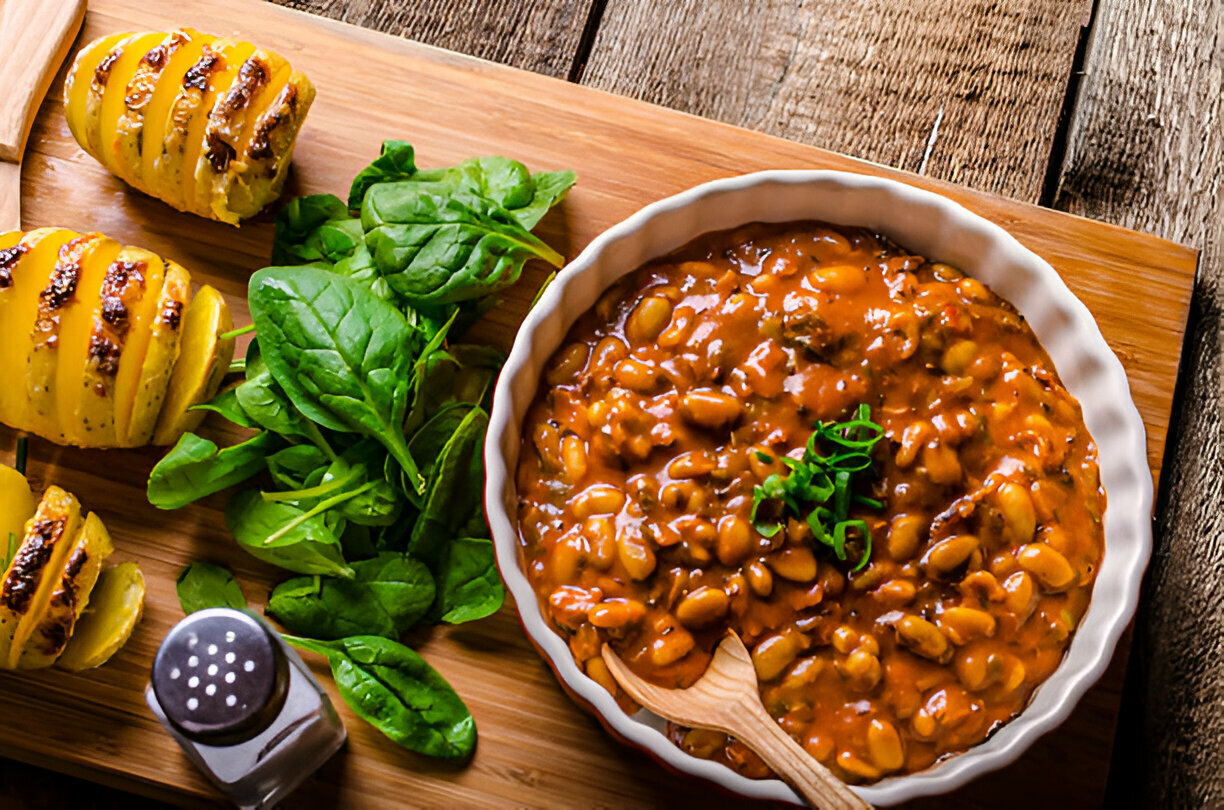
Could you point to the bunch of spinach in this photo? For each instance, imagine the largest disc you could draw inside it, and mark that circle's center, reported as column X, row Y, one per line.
column 367, row 417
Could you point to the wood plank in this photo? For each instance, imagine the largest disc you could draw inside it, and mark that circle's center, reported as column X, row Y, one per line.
column 963, row 90
column 1146, row 150
column 533, row 740
column 538, row 35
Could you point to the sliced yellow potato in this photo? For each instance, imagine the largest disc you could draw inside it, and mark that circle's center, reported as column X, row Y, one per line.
column 16, row 506
column 124, row 67
column 26, row 276
column 165, row 338
column 157, row 115
column 113, row 613
column 118, row 305
column 169, row 58
column 234, row 55
column 58, row 298
column 94, row 82
column 70, row 597
column 203, row 360
column 258, row 176
column 95, row 97
column 140, row 319
column 213, row 71
column 76, row 347
column 34, row 571
column 207, row 124
column 230, row 124
column 83, row 73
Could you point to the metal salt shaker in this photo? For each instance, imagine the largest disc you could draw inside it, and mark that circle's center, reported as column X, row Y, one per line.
column 243, row 705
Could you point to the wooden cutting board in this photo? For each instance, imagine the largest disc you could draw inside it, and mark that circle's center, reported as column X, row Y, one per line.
column 536, row 748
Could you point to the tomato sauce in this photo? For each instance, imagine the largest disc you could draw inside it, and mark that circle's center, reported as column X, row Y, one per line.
column 673, row 398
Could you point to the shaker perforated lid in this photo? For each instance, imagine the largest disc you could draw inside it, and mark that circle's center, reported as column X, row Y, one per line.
column 219, row 677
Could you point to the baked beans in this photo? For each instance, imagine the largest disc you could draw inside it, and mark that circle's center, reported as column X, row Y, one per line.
column 677, row 395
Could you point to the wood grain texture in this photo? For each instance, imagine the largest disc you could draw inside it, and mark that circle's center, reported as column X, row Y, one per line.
column 1147, row 151
column 964, row 90
column 535, row 746
column 538, row 35
column 34, row 39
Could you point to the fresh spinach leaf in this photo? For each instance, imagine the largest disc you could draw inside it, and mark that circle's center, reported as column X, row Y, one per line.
column 452, row 505
column 196, row 467
column 290, row 468
column 505, row 182
column 397, row 692
column 430, row 439
column 460, row 373
column 204, row 585
column 549, row 189
column 266, row 403
column 395, row 162
column 354, row 484
column 285, row 535
column 469, row 587
column 386, row 596
column 226, row 403
column 437, row 249
column 342, row 354
column 312, row 228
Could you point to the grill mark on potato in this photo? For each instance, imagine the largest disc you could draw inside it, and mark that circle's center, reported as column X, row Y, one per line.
column 72, row 570
column 8, row 260
column 156, row 57
column 172, row 314
column 253, row 75
column 60, row 290
column 197, row 75
column 144, row 82
column 22, row 581
column 219, row 152
column 54, row 634
column 104, row 354
column 102, row 71
column 279, row 112
column 118, row 278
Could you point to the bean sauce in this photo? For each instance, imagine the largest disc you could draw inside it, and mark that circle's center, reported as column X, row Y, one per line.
column 675, row 395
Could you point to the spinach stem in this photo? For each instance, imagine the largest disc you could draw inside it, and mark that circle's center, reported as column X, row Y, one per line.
column 237, row 366
column 233, row 333
column 318, row 509
column 313, row 492
column 316, row 436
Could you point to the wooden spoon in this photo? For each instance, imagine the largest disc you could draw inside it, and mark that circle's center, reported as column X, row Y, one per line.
column 726, row 698
column 35, row 36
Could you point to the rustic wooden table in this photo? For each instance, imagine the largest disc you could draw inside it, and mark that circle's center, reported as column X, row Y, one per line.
column 1112, row 109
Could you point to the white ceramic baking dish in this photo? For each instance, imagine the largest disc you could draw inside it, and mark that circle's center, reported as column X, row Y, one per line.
column 941, row 230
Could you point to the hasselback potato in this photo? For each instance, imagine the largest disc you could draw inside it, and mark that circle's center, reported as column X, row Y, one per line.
column 101, row 344
column 53, row 557
column 205, row 123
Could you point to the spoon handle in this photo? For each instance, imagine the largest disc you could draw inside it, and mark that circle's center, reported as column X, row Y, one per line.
column 819, row 787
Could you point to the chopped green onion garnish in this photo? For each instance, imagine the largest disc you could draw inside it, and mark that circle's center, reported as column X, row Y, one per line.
column 819, row 489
